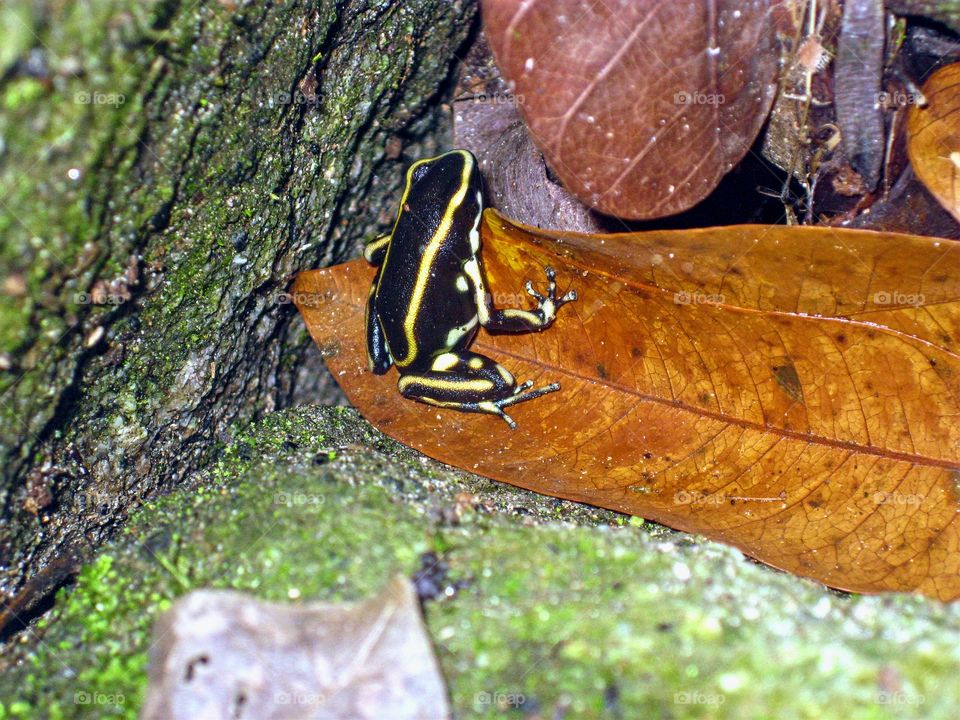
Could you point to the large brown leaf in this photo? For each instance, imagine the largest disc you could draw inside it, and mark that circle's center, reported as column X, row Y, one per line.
column 933, row 137
column 640, row 107
column 794, row 392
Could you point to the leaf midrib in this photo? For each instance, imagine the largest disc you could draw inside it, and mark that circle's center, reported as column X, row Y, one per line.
column 808, row 438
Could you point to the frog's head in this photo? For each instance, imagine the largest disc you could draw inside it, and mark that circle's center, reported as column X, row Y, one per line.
column 434, row 182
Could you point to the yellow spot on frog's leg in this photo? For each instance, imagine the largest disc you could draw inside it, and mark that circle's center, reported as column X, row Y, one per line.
column 526, row 314
column 505, row 374
column 462, row 284
column 444, row 362
column 475, row 363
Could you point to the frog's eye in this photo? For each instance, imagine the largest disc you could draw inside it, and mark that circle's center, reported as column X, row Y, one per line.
column 419, row 171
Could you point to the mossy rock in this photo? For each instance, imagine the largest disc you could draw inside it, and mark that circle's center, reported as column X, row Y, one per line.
column 547, row 607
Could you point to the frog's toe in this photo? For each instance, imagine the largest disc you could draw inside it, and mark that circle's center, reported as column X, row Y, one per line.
column 493, row 407
column 522, row 393
column 532, row 292
column 551, row 282
column 569, row 297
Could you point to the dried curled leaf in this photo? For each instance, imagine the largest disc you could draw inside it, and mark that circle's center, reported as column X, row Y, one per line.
column 640, row 108
column 792, row 391
column 933, row 137
column 223, row 654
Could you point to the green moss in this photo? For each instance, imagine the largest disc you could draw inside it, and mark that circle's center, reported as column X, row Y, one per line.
column 20, row 92
column 159, row 135
column 591, row 615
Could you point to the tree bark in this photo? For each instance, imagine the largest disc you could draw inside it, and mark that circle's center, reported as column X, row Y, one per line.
column 164, row 172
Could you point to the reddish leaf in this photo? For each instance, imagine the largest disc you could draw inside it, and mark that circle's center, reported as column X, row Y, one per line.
column 640, row 108
column 486, row 122
column 794, row 392
column 933, row 138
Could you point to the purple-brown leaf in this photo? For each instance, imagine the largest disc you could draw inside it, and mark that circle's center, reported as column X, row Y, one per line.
column 639, row 107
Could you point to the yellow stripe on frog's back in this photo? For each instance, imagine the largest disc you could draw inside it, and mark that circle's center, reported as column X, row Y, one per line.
column 403, row 201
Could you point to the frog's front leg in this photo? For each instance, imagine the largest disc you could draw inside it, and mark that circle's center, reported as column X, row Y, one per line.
column 469, row 382
column 512, row 320
column 375, row 250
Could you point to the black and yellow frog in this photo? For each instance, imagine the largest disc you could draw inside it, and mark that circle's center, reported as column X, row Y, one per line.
column 428, row 297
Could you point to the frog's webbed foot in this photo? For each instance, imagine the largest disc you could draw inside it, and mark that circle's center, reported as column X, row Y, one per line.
column 522, row 394
column 540, row 318
column 549, row 303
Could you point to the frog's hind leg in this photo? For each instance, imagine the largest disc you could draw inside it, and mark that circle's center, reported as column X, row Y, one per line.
column 471, row 383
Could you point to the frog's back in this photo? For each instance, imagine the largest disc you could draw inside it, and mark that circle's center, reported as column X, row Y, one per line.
column 422, row 295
